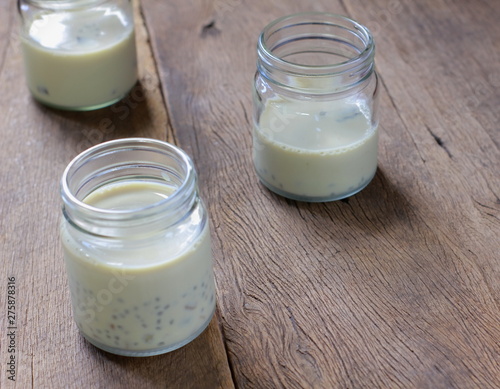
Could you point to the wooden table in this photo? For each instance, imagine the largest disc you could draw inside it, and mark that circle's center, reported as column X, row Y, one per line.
column 396, row 287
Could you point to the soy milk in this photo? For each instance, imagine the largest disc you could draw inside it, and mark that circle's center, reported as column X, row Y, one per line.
column 140, row 297
column 315, row 150
column 80, row 59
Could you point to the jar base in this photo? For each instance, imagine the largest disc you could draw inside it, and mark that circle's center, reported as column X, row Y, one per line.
column 151, row 352
column 316, row 199
column 80, row 109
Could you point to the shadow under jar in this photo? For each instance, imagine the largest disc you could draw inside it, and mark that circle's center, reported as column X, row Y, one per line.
column 78, row 54
column 315, row 100
column 136, row 242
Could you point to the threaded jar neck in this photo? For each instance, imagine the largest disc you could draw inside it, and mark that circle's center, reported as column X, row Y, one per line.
column 131, row 159
column 315, row 52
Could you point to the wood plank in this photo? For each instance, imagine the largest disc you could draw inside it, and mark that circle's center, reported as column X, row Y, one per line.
column 396, row 287
column 37, row 143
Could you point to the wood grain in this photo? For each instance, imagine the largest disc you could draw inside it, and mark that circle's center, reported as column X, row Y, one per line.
column 37, row 143
column 396, row 287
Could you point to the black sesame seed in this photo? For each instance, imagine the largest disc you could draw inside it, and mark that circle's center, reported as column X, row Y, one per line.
column 157, row 299
column 159, row 313
column 166, row 306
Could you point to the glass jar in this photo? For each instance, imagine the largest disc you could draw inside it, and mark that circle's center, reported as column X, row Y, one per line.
column 315, row 100
column 137, row 247
column 78, row 54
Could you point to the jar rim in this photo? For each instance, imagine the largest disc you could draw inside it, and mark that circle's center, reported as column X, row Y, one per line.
column 173, row 200
column 329, row 19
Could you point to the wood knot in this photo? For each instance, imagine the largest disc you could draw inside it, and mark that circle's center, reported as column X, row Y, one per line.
column 209, row 29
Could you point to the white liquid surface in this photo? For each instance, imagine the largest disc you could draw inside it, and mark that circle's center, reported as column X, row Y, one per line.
column 315, row 151
column 80, row 60
column 151, row 297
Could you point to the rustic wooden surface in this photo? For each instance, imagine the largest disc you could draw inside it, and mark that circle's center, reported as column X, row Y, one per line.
column 37, row 143
column 397, row 287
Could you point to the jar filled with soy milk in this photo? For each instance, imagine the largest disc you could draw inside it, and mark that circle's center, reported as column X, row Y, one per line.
column 136, row 242
column 78, row 54
column 315, row 99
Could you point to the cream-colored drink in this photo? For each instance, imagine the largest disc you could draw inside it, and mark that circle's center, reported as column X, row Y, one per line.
column 315, row 150
column 80, row 60
column 145, row 296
